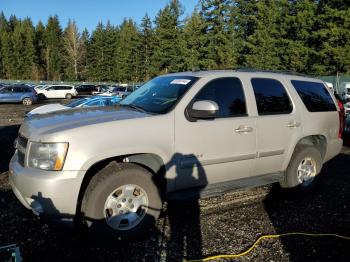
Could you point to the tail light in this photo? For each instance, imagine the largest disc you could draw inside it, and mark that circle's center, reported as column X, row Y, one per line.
column 341, row 118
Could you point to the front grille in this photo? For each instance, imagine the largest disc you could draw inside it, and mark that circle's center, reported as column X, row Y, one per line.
column 21, row 148
column 22, row 141
column 21, row 157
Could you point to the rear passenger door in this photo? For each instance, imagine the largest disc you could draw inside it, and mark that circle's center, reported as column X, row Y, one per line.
column 216, row 150
column 278, row 124
column 17, row 93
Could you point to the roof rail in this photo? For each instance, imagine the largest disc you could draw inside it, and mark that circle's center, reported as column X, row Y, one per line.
column 249, row 69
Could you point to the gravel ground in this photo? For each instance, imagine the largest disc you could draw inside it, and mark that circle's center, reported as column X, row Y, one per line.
column 219, row 225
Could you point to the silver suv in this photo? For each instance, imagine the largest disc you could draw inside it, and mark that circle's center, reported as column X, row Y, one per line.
column 182, row 135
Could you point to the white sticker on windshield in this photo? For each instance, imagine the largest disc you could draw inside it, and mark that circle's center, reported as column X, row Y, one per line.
column 180, row 81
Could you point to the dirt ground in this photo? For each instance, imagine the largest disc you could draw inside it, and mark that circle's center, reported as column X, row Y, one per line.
column 221, row 225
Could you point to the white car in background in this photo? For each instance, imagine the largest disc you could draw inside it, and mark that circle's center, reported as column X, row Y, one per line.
column 347, row 108
column 57, row 91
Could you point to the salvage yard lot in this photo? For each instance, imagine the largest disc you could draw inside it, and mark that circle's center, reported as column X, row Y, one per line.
column 228, row 224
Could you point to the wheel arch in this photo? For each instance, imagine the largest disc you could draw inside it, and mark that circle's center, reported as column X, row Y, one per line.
column 150, row 161
column 318, row 141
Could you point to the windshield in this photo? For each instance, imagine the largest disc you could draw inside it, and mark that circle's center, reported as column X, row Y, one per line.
column 76, row 102
column 119, row 89
column 160, row 94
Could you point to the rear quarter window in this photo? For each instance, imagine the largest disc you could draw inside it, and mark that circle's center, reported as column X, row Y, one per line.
column 315, row 96
column 271, row 97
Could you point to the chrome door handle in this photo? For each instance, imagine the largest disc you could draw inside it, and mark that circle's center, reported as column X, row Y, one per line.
column 244, row 129
column 293, row 124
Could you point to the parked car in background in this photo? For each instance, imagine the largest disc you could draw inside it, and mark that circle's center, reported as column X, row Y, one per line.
column 101, row 89
column 347, row 108
column 346, row 135
column 86, row 89
column 18, row 93
column 83, row 102
column 346, row 88
column 121, row 91
column 40, row 87
column 57, row 91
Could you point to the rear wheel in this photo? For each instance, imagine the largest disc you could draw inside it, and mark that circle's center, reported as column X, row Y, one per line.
column 302, row 171
column 27, row 101
column 68, row 96
column 121, row 201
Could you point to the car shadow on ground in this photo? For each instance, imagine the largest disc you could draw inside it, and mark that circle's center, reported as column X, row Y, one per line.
column 325, row 209
column 176, row 237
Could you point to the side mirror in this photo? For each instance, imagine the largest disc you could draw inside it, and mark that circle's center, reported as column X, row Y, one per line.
column 204, row 109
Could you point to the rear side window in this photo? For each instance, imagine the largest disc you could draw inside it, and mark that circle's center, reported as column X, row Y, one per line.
column 315, row 96
column 271, row 97
column 228, row 94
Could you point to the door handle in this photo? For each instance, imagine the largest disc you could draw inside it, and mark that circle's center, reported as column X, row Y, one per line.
column 293, row 124
column 243, row 129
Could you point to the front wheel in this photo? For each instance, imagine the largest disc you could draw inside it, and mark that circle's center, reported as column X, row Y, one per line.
column 27, row 101
column 121, row 201
column 68, row 96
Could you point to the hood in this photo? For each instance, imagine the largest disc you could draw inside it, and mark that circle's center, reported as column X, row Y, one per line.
column 47, row 108
column 41, row 124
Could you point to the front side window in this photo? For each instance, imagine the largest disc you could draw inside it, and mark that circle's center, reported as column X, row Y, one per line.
column 160, row 94
column 228, row 93
column 315, row 96
column 271, row 97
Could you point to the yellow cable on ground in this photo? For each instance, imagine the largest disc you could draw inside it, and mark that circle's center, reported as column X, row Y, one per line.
column 266, row 237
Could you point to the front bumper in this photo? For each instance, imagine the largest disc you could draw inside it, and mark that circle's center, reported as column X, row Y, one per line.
column 48, row 193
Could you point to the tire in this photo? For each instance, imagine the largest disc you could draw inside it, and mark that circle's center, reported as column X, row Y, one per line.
column 105, row 194
column 41, row 96
column 27, row 101
column 68, row 96
column 304, row 157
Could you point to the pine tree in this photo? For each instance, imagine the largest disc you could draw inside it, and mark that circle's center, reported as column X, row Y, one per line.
column 54, row 50
column 40, row 47
column 262, row 45
column 7, row 54
column 22, row 59
column 167, row 55
column 85, row 38
column 101, row 53
column 330, row 38
column 298, row 20
column 219, row 48
column 127, row 55
column 3, row 29
column 146, row 47
column 109, row 47
column 193, row 39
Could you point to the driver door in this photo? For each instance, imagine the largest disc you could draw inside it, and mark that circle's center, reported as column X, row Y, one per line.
column 216, row 150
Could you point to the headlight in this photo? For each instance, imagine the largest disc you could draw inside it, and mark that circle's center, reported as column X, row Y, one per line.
column 47, row 156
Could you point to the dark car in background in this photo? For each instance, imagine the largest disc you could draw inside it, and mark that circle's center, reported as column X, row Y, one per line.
column 346, row 134
column 86, row 89
column 18, row 93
